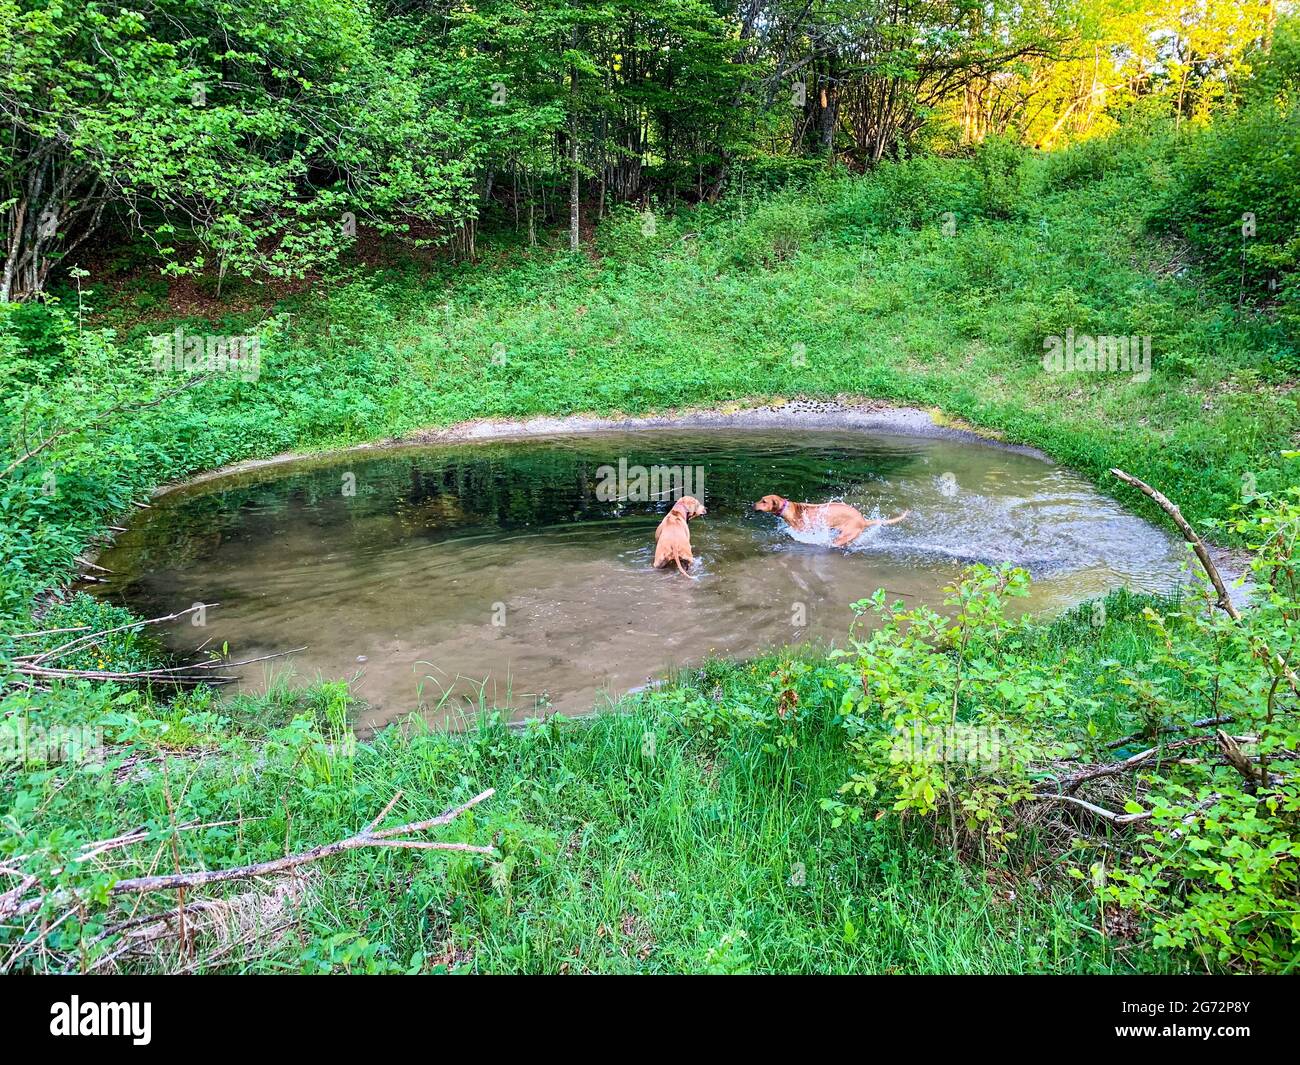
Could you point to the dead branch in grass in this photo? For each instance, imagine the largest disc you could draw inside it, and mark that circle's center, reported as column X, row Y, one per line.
column 1260, row 649
column 37, row 657
column 1062, row 787
column 18, row 903
column 34, row 664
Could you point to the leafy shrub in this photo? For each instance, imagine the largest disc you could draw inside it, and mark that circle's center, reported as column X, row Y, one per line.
column 632, row 235
column 1079, row 164
column 772, row 233
column 939, row 719
column 1220, row 871
column 999, row 162
column 1132, row 147
column 966, row 719
column 1235, row 195
column 906, row 194
column 125, row 650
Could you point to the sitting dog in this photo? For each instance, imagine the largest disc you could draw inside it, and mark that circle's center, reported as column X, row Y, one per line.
column 673, row 538
column 847, row 521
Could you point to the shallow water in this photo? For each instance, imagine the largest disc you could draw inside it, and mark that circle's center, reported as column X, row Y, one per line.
column 429, row 575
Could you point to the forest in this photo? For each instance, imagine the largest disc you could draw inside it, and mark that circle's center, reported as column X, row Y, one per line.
column 234, row 232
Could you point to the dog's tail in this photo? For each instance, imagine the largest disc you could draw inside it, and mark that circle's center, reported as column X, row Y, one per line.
column 677, row 559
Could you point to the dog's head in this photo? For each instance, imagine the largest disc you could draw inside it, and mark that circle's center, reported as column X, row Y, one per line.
column 770, row 504
column 691, row 507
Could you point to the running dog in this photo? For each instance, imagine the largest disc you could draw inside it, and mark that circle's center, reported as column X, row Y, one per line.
column 845, row 520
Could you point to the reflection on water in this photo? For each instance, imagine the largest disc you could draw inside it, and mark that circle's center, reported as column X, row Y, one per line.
column 429, row 574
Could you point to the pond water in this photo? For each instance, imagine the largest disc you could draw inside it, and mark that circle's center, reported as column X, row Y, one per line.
column 431, row 576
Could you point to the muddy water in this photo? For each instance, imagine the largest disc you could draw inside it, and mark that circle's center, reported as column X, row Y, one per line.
column 430, row 577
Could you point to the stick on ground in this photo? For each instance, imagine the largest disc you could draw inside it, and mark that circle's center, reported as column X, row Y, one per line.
column 12, row 904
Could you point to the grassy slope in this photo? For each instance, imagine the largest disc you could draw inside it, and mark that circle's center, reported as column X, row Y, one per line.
column 823, row 293
column 607, row 851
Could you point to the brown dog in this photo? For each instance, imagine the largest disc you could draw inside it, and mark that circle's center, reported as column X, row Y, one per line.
column 673, row 538
column 847, row 521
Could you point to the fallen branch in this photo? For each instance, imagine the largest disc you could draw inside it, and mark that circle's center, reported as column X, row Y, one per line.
column 1261, row 650
column 1100, row 811
column 170, row 674
column 12, row 907
column 33, row 664
column 1072, row 781
column 1204, row 722
column 1253, row 774
column 1189, row 534
column 49, row 632
column 62, row 649
column 1133, row 819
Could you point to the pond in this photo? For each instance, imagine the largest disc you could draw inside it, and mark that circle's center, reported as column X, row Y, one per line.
column 520, row 572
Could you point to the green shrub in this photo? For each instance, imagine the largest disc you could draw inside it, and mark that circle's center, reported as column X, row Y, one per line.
column 906, row 194
column 1219, row 873
column 1000, row 164
column 1235, row 196
column 938, row 723
column 972, row 721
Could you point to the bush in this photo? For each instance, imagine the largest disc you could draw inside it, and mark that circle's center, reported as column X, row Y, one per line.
column 973, row 721
column 960, row 731
column 1000, row 165
column 1235, row 196
column 903, row 195
column 1219, row 872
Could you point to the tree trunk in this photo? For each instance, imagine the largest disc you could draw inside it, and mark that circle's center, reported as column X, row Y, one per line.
column 574, row 213
column 574, row 185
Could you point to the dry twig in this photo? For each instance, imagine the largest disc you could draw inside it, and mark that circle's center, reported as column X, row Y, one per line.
column 14, row 904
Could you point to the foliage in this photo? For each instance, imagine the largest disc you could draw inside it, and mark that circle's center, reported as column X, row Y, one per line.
column 234, row 136
column 999, row 163
column 1220, row 872
column 963, row 719
column 966, row 717
column 1236, row 193
column 131, row 648
column 253, row 139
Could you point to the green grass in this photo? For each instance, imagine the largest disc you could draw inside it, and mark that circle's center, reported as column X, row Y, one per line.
column 658, row 839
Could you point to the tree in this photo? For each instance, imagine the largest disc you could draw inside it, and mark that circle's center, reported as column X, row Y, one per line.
column 249, row 135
